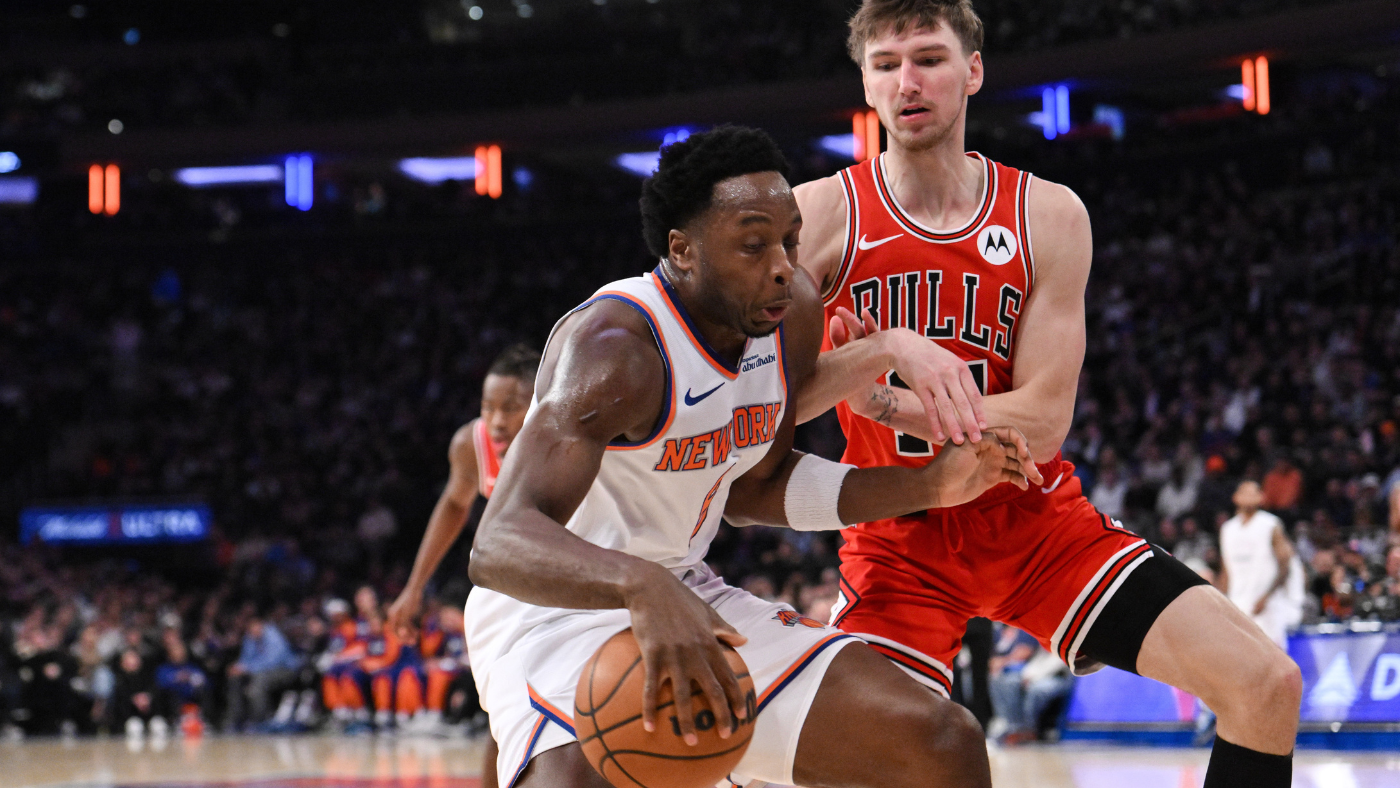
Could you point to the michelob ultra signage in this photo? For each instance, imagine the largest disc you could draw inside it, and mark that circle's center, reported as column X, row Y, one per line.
column 115, row 524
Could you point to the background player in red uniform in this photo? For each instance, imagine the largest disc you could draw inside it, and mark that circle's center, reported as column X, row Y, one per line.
column 930, row 243
column 475, row 457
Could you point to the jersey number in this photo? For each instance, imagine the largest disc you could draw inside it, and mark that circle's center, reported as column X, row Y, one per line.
column 910, row 446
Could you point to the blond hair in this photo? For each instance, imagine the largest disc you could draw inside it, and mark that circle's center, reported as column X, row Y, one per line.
column 877, row 17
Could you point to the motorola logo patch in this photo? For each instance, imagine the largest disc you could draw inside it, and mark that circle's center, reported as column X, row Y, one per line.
column 997, row 244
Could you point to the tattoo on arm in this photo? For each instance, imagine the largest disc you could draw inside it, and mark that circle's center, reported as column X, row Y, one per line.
column 884, row 398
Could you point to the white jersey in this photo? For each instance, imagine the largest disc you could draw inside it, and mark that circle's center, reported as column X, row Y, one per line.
column 662, row 498
column 1247, row 551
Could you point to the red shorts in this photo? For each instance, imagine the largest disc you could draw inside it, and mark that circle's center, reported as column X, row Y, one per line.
column 1043, row 562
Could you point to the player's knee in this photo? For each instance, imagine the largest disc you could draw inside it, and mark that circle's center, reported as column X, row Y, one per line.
column 1286, row 683
column 1272, row 686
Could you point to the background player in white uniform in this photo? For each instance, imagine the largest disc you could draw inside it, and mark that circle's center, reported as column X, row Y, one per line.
column 661, row 403
column 1256, row 564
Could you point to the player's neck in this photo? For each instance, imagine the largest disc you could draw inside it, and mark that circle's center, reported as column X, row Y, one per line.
column 1248, row 514
column 941, row 187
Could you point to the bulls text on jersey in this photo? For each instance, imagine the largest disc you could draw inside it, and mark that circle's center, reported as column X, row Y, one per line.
column 918, row 300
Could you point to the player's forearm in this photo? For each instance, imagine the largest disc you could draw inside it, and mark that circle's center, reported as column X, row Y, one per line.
column 844, row 372
column 527, row 555
column 1042, row 419
column 881, row 493
column 444, row 527
column 1043, row 416
column 866, row 494
column 896, row 408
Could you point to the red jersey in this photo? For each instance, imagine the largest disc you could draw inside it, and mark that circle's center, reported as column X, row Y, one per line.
column 963, row 289
column 488, row 465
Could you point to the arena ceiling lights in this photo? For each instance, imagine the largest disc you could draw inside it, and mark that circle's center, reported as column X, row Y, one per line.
column 643, row 165
column 435, row 171
column 296, row 174
column 200, row 177
column 18, row 191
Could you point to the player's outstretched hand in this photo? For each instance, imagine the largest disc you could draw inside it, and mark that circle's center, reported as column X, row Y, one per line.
column 942, row 381
column 965, row 472
column 404, row 613
column 679, row 636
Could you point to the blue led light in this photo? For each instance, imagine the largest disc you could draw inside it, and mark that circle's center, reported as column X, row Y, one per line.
column 839, row 144
column 9, row 161
column 677, row 135
column 640, row 164
column 435, row 171
column 18, row 191
column 220, row 176
column 299, row 183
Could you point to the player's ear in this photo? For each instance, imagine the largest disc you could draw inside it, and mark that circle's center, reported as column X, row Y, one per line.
column 976, row 74
column 682, row 251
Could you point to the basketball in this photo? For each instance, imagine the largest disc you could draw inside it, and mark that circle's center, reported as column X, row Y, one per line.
column 608, row 721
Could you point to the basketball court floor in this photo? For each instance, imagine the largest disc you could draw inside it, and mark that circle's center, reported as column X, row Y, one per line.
column 365, row 762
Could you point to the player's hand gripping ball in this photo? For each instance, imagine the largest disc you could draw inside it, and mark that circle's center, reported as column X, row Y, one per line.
column 608, row 722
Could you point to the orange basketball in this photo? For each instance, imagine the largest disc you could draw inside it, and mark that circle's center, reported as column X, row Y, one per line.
column 608, row 721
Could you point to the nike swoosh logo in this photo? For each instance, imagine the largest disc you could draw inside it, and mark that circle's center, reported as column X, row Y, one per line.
column 692, row 401
column 866, row 246
column 1055, row 486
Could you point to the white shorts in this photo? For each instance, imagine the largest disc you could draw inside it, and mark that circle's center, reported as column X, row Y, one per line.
column 527, row 679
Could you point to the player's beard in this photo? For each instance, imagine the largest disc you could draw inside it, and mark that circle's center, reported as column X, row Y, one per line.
column 931, row 141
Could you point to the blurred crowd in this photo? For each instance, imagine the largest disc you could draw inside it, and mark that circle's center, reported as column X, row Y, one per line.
column 101, row 647
column 275, row 63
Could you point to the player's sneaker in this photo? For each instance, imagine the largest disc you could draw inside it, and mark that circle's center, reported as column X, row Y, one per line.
column 135, row 728
column 160, row 729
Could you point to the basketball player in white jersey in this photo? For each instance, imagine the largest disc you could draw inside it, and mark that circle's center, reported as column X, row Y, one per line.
column 474, row 457
column 984, row 267
column 663, row 403
column 1256, row 561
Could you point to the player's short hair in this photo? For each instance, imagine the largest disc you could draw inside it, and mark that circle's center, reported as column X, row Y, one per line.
column 684, row 184
column 877, row 17
column 517, row 361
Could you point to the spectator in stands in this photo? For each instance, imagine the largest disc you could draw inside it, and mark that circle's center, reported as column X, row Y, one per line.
column 1178, row 495
column 182, row 688
column 1111, row 490
column 134, row 697
column 1025, row 680
column 265, row 667
column 1283, row 488
column 1214, row 495
column 94, row 679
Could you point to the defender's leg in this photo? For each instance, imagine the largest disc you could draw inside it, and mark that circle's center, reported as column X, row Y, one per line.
column 1205, row 645
column 872, row 726
column 1166, row 624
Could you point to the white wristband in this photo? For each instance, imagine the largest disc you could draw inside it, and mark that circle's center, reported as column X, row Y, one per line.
column 813, row 492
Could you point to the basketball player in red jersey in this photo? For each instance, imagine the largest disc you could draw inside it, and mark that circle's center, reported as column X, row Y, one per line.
column 475, row 456
column 980, row 269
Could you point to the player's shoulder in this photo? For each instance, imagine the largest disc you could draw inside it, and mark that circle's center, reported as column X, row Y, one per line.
column 610, row 343
column 1061, row 236
column 463, row 440
column 1055, row 202
column 821, row 194
column 823, row 206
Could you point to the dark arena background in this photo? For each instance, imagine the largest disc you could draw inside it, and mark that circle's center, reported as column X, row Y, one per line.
column 256, row 257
